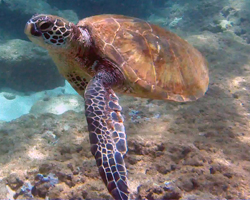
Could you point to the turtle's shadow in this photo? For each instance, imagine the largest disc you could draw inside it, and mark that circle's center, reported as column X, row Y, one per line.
column 219, row 121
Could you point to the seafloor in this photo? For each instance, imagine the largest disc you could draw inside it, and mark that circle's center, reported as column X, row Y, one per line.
column 198, row 150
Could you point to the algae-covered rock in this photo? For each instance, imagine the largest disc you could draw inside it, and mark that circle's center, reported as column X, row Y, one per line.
column 9, row 96
column 26, row 67
column 28, row 7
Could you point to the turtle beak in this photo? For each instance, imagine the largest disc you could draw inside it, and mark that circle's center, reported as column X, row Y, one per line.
column 31, row 29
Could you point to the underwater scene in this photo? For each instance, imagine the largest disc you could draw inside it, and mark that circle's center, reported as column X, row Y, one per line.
column 108, row 99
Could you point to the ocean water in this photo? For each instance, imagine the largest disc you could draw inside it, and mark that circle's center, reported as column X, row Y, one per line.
column 176, row 150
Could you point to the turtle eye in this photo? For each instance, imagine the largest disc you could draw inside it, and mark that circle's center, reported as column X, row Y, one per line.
column 45, row 26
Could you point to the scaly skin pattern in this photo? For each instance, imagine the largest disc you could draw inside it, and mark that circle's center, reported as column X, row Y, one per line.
column 107, row 136
column 107, row 53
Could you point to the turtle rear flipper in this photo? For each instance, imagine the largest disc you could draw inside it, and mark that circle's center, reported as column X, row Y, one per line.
column 107, row 135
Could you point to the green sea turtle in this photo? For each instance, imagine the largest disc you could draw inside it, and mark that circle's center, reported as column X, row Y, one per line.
column 107, row 53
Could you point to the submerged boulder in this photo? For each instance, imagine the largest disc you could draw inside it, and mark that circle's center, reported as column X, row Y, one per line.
column 25, row 67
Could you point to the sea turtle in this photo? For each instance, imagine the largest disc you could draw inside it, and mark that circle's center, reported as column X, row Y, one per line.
column 107, row 53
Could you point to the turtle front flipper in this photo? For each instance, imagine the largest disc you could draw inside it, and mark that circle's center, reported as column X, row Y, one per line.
column 107, row 135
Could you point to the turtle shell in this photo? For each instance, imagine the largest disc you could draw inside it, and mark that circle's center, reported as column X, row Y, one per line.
column 156, row 63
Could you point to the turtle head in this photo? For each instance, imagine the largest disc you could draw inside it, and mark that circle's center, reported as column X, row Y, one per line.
column 48, row 31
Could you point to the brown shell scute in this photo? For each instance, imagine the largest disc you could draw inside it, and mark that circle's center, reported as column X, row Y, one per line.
column 155, row 62
column 181, row 70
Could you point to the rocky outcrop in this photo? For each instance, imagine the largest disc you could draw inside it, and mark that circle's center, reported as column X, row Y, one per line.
column 25, row 67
